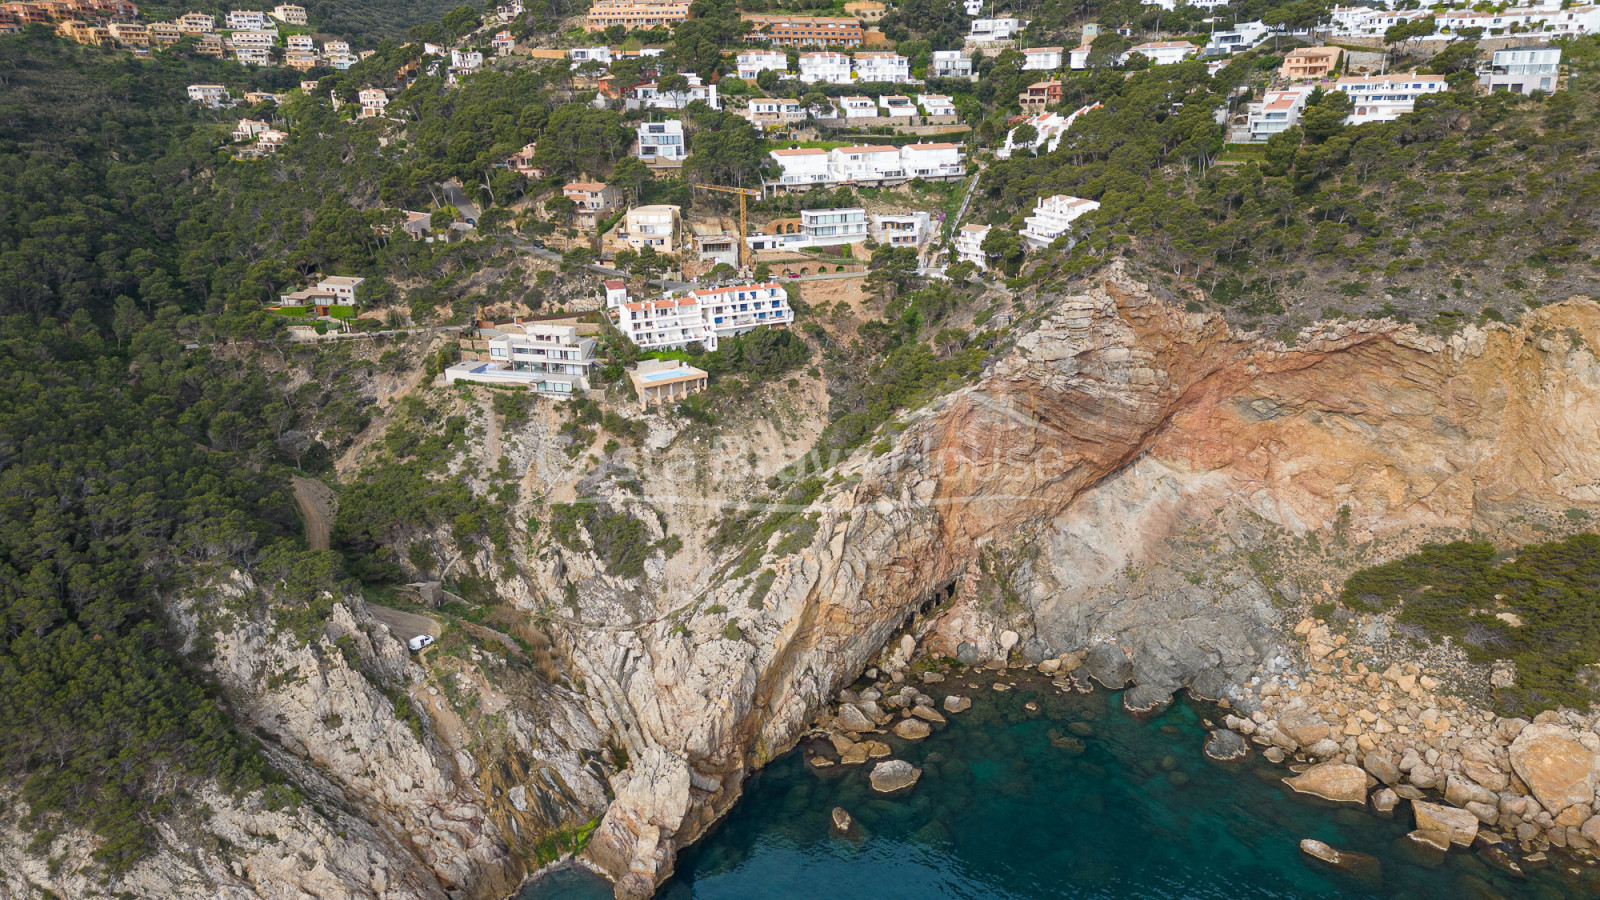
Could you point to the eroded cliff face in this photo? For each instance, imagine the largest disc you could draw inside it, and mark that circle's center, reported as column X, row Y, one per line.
column 1110, row 482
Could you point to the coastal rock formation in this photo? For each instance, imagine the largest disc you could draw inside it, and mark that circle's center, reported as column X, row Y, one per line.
column 1338, row 782
column 1458, row 826
column 1556, row 766
column 1052, row 499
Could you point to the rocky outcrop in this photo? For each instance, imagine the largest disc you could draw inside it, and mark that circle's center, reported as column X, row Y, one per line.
column 1556, row 766
column 1338, row 782
column 1060, row 499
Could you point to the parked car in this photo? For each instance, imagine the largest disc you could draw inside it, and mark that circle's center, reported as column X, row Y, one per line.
column 420, row 641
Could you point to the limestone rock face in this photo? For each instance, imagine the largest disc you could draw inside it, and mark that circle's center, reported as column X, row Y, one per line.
column 1339, row 782
column 1555, row 765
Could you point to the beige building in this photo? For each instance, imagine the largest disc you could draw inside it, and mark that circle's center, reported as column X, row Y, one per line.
column 636, row 14
column 1310, row 62
column 196, row 23
column 290, row 15
column 659, row 227
column 594, row 198
column 665, row 381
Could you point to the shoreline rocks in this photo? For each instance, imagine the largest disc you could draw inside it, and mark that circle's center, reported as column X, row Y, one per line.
column 1226, row 746
column 894, row 775
column 1338, row 782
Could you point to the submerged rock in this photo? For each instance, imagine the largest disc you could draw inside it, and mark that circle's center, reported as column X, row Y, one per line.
column 894, row 775
column 841, row 820
column 1384, row 800
column 912, row 729
column 1339, row 782
column 955, row 704
column 1360, row 866
column 1226, row 746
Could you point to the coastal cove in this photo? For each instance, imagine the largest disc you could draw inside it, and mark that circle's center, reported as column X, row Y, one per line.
column 1077, row 799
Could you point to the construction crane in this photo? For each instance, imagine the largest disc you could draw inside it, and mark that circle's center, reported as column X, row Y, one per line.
column 745, row 256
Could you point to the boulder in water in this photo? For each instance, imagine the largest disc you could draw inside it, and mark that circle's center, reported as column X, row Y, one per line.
column 841, row 820
column 955, row 704
column 1461, row 826
column 1339, row 782
column 1359, row 866
column 851, row 718
column 1226, row 746
column 1384, row 800
column 894, row 775
column 876, row 749
column 912, row 729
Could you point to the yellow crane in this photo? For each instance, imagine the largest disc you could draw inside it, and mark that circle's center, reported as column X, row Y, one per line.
column 745, row 256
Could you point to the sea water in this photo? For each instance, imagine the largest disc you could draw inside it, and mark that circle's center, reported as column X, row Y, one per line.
column 1075, row 800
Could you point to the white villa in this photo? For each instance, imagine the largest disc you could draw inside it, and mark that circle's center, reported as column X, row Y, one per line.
column 902, row 229
column 1384, row 98
column 969, row 245
column 1275, row 112
column 825, row 66
column 1053, row 217
column 548, row 359
column 1162, row 53
column 878, row 65
column 662, row 143
column 1041, row 59
column 753, row 62
column 867, row 164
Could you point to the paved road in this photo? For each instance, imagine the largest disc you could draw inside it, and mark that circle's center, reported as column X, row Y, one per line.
column 458, row 198
column 404, row 625
column 317, row 508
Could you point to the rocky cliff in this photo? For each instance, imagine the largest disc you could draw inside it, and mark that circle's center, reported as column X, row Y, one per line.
column 1116, row 481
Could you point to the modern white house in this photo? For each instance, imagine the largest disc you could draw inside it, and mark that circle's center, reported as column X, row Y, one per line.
column 1049, row 127
column 1384, row 98
column 817, row 228
column 548, row 359
column 825, row 66
column 871, row 164
column 1053, row 217
column 1239, row 38
column 950, row 64
column 858, row 107
column 212, row 95
column 1041, row 59
column 989, row 31
column 658, row 381
column 466, row 60
column 580, row 55
column 878, row 65
column 703, row 316
column 1275, row 112
column 902, row 229
column 895, row 105
column 662, row 143
column 1522, row 70
column 969, row 245
column 936, row 105
column 753, row 62
column 334, row 290
column 1162, row 53
column 650, row 96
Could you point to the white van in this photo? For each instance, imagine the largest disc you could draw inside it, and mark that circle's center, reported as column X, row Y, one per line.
column 420, row 641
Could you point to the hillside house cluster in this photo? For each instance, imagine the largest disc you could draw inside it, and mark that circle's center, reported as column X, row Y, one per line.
column 677, row 319
column 805, row 167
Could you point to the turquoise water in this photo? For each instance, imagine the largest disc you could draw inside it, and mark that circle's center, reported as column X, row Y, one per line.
column 1130, row 809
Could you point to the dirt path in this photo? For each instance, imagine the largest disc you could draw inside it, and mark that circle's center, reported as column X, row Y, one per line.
column 317, row 506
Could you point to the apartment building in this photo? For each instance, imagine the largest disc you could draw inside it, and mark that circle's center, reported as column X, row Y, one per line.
column 165, row 34
column 196, row 23
column 650, row 96
column 752, row 63
column 800, row 31
column 246, row 20
column 253, row 40
column 969, row 245
column 300, row 42
column 336, row 48
column 84, row 33
column 950, row 64
column 704, row 316
column 1053, row 217
column 825, row 66
column 1039, row 96
column 373, row 102
column 1162, row 53
column 1384, row 98
column 802, row 168
column 902, row 229
column 1041, row 59
column 830, row 227
column 1310, row 63
column 742, row 308
column 662, row 143
column 1522, row 70
column 636, row 14
column 550, row 359
column 594, row 200
column 659, row 226
column 129, row 34
column 252, row 56
column 290, row 14
column 882, row 66
column 1275, row 112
